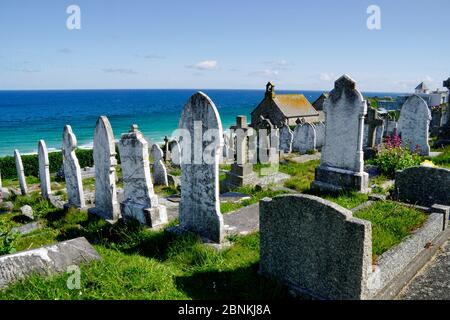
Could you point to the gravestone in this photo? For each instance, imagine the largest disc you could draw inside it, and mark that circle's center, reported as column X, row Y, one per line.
column 316, row 247
column 379, row 134
column 20, row 173
column 372, row 121
column 175, row 152
column 436, row 121
column 72, row 171
column 241, row 172
column 106, row 204
column 159, row 169
column 391, row 126
column 304, row 138
column 265, row 128
column 423, row 186
column 167, row 154
column 200, row 203
column 139, row 200
column 444, row 131
column 286, row 137
column 46, row 261
column 342, row 165
column 320, row 135
column 44, row 171
column 226, row 147
column 414, row 123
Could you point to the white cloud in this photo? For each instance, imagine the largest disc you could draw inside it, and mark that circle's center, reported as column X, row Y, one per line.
column 205, row 65
column 265, row 73
column 326, row 76
column 120, row 70
column 278, row 63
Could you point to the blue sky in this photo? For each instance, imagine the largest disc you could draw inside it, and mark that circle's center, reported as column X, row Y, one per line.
column 297, row 44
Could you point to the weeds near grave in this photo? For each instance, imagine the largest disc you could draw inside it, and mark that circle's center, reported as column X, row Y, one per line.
column 443, row 160
column 302, row 174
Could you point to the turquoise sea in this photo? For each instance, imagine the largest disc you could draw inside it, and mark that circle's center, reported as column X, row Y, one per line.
column 27, row 116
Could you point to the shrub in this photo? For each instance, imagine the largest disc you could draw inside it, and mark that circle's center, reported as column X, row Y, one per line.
column 392, row 156
column 31, row 163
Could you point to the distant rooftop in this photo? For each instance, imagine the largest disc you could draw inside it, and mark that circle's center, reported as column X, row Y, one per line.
column 293, row 105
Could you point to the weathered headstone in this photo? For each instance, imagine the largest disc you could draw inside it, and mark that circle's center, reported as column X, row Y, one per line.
column 424, row 186
column 286, row 137
column 139, row 200
column 72, row 171
column 44, row 171
column 106, row 204
column 372, row 121
column 175, row 152
column 391, row 126
column 167, row 154
column 159, row 169
column 200, row 203
column 304, row 138
column 379, row 134
column 20, row 172
column 241, row 172
column 46, row 261
column 414, row 123
column 320, row 134
column 342, row 165
column 315, row 246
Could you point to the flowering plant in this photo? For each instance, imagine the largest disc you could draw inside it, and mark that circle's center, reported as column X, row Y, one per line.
column 392, row 156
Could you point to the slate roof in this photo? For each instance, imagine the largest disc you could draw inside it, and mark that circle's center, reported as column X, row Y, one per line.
column 294, row 105
column 422, row 86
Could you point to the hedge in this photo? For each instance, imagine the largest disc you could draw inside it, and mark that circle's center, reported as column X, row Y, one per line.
column 31, row 163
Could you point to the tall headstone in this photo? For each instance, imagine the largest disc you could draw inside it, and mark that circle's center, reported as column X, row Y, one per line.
column 200, row 203
column 315, row 246
column 106, row 204
column 379, row 134
column 286, row 137
column 167, row 154
column 444, row 131
column 342, row 164
column 159, row 169
column 320, row 135
column 20, row 172
column 139, row 201
column 72, row 171
column 241, row 172
column 372, row 121
column 44, row 170
column 175, row 152
column 414, row 124
column 304, row 138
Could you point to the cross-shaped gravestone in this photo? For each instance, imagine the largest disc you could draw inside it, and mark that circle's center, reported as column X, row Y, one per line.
column 241, row 170
column 373, row 121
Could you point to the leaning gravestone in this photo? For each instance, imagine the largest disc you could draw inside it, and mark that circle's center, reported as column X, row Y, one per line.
column 106, row 204
column 286, row 137
column 342, row 165
column 159, row 169
column 414, row 124
column 423, row 186
column 72, row 171
column 140, row 201
column 44, row 171
column 315, row 247
column 46, row 261
column 304, row 138
column 20, row 173
column 200, row 203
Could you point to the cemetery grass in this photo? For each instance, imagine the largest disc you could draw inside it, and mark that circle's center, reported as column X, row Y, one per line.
column 391, row 223
column 442, row 160
column 138, row 263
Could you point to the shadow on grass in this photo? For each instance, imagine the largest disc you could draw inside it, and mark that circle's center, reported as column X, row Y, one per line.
column 239, row 284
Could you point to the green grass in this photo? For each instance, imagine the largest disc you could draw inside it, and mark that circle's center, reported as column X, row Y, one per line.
column 442, row 160
column 302, row 174
column 391, row 223
column 144, row 264
column 255, row 196
column 348, row 200
column 165, row 191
